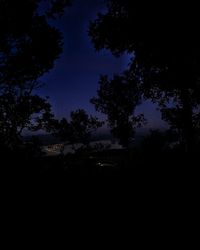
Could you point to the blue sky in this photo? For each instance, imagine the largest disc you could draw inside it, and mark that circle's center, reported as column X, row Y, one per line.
column 74, row 79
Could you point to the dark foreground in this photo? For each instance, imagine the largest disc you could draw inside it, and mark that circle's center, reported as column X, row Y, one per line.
column 130, row 165
column 111, row 183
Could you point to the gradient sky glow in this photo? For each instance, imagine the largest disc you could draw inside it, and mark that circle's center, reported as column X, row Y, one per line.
column 74, row 80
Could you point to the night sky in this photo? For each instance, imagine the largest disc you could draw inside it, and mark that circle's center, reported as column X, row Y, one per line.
column 74, row 79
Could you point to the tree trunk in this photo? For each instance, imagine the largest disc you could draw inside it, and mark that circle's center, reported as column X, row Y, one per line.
column 188, row 130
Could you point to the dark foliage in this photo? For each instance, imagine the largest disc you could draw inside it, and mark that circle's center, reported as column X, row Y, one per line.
column 118, row 98
column 29, row 45
column 79, row 129
column 164, row 42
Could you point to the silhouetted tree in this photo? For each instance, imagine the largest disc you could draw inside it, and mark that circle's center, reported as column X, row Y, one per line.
column 117, row 98
column 79, row 129
column 29, row 45
column 156, row 142
column 165, row 44
column 17, row 113
column 175, row 116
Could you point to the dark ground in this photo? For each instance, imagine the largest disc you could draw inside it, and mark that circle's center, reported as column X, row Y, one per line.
column 131, row 164
column 134, row 185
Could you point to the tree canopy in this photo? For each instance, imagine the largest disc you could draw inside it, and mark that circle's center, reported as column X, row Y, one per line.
column 164, row 41
column 118, row 98
column 29, row 45
column 78, row 129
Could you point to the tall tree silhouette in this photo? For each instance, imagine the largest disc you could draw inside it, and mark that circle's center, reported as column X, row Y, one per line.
column 117, row 98
column 29, row 45
column 165, row 44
